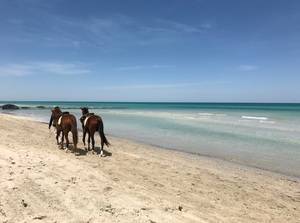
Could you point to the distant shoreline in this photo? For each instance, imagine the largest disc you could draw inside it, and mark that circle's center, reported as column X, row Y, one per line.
column 144, row 102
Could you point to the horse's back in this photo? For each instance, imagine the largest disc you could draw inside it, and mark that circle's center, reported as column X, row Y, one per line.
column 93, row 122
column 69, row 121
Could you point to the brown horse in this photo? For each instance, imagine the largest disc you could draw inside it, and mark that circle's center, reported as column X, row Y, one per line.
column 65, row 123
column 90, row 124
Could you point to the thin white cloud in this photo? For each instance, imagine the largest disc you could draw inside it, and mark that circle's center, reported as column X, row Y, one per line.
column 174, row 26
column 184, row 27
column 206, row 26
column 141, row 67
column 38, row 68
column 15, row 70
column 117, row 29
column 247, row 67
column 164, row 86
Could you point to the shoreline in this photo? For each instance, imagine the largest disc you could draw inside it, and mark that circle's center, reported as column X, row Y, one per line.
column 195, row 154
column 213, row 158
column 134, row 183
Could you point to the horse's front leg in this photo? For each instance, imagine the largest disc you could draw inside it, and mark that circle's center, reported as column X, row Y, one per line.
column 57, row 136
column 83, row 138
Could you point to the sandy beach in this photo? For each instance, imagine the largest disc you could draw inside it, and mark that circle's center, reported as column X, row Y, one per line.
column 133, row 183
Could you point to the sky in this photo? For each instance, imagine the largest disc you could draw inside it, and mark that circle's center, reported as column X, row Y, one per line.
column 158, row 50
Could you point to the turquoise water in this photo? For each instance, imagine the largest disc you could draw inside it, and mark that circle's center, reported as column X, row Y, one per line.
column 266, row 136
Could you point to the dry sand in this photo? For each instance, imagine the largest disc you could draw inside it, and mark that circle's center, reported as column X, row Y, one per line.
column 137, row 183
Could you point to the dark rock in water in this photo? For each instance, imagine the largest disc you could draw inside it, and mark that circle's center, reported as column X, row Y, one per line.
column 10, row 107
column 40, row 106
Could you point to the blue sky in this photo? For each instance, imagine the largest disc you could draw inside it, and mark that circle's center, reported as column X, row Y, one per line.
column 158, row 50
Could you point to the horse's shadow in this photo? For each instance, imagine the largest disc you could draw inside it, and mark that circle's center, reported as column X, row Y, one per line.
column 83, row 152
column 80, row 152
column 105, row 152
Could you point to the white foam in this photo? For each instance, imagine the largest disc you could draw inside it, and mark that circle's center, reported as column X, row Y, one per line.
column 190, row 117
column 267, row 122
column 255, row 118
column 206, row 114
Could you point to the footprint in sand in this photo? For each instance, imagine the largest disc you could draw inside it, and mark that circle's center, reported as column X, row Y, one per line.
column 73, row 180
column 108, row 209
column 2, row 212
column 107, row 189
column 158, row 185
column 24, row 203
column 39, row 217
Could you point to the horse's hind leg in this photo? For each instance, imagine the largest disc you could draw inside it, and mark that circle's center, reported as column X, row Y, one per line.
column 57, row 136
column 65, row 135
column 67, row 139
column 62, row 142
column 102, row 144
column 83, row 138
column 89, row 140
column 93, row 140
column 75, row 140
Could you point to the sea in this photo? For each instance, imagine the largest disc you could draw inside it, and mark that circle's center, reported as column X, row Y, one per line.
column 261, row 135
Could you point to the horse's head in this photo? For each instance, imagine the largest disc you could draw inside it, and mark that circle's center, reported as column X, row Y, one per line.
column 55, row 114
column 84, row 110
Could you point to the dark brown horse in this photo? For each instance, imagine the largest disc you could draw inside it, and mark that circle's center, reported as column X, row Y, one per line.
column 90, row 124
column 65, row 123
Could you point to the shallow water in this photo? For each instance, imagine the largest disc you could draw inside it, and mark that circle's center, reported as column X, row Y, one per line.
column 261, row 135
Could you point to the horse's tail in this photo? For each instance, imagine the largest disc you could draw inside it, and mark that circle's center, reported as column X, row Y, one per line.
column 75, row 137
column 74, row 131
column 102, row 136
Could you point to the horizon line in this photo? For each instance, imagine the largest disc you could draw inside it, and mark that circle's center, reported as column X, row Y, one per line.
column 183, row 102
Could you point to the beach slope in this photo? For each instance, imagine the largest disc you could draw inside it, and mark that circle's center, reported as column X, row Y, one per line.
column 135, row 183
